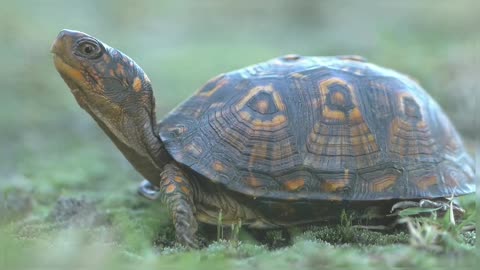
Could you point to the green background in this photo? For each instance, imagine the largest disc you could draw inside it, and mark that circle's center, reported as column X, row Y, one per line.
column 51, row 149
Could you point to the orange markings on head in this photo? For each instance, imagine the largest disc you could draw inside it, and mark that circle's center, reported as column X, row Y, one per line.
column 106, row 58
column 75, row 74
column 70, row 71
column 137, row 84
column 120, row 70
column 170, row 188
column 295, row 184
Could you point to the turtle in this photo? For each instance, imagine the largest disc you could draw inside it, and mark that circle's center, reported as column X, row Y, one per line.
column 291, row 141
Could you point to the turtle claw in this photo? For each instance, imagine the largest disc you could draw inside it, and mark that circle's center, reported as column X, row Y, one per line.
column 149, row 191
column 442, row 206
column 185, row 228
column 188, row 242
column 404, row 205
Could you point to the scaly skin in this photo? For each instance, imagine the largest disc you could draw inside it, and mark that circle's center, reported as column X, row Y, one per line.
column 116, row 92
column 177, row 193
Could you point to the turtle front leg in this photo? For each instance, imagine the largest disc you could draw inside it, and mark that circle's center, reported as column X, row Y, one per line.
column 177, row 193
column 440, row 205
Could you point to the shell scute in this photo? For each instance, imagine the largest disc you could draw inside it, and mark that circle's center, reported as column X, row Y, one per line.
column 319, row 128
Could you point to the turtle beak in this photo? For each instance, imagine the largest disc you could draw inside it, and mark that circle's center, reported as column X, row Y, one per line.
column 57, row 47
column 54, row 48
column 61, row 50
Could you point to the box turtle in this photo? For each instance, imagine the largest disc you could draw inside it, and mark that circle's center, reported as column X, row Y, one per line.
column 294, row 140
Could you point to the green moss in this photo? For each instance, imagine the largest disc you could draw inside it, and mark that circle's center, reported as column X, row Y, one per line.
column 353, row 236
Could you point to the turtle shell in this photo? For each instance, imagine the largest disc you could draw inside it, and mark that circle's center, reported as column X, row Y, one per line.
column 319, row 128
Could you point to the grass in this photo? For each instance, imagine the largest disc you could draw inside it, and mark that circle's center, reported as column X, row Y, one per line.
column 126, row 231
column 67, row 196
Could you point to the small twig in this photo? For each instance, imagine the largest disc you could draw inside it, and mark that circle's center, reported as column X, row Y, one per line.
column 372, row 227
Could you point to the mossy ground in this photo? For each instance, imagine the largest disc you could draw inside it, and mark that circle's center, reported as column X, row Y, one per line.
column 129, row 232
column 67, row 197
column 103, row 230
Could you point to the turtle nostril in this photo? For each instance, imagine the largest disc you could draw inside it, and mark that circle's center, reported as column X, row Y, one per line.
column 65, row 36
column 61, row 34
column 55, row 48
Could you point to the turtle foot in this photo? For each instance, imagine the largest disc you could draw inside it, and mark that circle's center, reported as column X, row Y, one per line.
column 441, row 207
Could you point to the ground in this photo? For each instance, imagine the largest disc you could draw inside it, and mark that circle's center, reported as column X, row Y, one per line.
column 68, row 198
column 99, row 229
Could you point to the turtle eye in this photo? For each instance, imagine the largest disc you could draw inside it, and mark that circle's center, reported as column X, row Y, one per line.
column 88, row 49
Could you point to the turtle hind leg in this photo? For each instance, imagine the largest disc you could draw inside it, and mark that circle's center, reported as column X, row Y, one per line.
column 440, row 206
column 177, row 193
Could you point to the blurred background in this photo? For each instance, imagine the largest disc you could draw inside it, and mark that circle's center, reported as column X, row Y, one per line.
column 49, row 147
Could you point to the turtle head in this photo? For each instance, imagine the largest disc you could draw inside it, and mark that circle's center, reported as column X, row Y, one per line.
column 99, row 76
column 107, row 84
